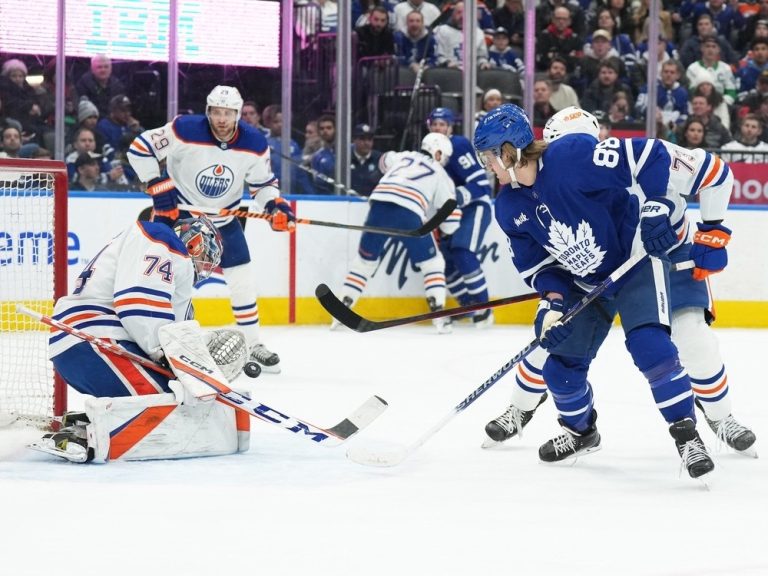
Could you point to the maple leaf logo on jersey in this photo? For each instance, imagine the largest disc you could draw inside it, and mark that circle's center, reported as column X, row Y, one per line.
column 577, row 252
column 215, row 180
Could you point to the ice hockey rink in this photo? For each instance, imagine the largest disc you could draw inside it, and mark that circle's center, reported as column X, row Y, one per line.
column 289, row 506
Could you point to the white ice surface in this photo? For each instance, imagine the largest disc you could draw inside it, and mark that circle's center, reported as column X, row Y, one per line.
column 289, row 507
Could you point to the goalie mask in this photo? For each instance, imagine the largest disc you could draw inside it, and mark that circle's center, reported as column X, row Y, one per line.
column 203, row 243
column 571, row 120
column 435, row 142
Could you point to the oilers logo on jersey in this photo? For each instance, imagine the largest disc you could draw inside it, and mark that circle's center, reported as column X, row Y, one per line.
column 214, row 181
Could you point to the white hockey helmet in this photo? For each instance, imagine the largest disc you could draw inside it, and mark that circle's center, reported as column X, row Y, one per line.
column 435, row 141
column 571, row 120
column 225, row 97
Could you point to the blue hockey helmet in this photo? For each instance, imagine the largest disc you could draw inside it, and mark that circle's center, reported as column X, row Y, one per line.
column 504, row 124
column 445, row 114
column 202, row 240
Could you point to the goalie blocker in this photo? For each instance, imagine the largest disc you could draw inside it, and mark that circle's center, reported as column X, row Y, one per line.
column 190, row 422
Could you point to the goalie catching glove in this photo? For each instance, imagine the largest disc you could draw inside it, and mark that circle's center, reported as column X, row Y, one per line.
column 708, row 251
column 549, row 330
column 164, row 200
column 283, row 217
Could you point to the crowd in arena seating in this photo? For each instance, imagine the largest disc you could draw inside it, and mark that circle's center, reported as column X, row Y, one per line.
column 712, row 90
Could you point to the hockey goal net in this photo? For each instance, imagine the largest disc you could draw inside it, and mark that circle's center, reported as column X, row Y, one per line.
column 33, row 272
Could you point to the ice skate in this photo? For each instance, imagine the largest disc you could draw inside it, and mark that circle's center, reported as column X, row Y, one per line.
column 509, row 424
column 442, row 325
column 483, row 319
column 571, row 444
column 69, row 443
column 732, row 433
column 693, row 453
column 269, row 361
column 335, row 324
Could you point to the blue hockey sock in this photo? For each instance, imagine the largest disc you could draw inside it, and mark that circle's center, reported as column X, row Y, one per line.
column 566, row 379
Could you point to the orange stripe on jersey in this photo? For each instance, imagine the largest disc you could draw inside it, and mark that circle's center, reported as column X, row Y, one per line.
column 706, row 391
column 390, row 188
column 137, row 429
column 712, row 172
column 143, row 301
column 140, row 382
column 72, row 319
column 140, row 147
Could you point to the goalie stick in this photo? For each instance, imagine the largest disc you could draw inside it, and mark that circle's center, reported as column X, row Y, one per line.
column 353, row 320
column 442, row 213
column 362, row 455
column 333, row 436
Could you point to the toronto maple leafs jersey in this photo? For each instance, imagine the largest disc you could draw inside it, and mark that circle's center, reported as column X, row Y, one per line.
column 469, row 177
column 206, row 172
column 581, row 216
column 138, row 282
column 415, row 181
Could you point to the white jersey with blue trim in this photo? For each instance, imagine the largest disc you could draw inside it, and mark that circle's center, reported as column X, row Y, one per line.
column 206, row 172
column 140, row 281
column 415, row 181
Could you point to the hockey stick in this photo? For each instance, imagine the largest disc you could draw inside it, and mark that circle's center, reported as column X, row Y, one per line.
column 443, row 212
column 362, row 455
column 333, row 436
column 353, row 320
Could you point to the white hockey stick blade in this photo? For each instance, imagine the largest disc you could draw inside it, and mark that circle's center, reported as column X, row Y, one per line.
column 360, row 418
column 384, row 459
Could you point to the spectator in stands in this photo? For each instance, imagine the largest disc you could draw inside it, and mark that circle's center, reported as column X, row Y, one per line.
column 250, row 115
column 692, row 134
column 84, row 142
column 642, row 22
column 711, row 64
column 605, row 129
column 329, row 15
column 751, row 101
column 559, row 39
column 99, row 85
column 450, row 41
column 671, row 96
column 588, row 66
column 88, row 117
column 88, row 175
column 757, row 27
column 11, row 141
column 599, row 94
column 21, row 102
column 748, row 142
column 512, row 17
column 762, row 113
column 324, row 160
column 621, row 43
column 755, row 65
column 728, row 21
column 545, row 16
column 620, row 111
column 120, row 127
column 705, row 86
column 7, row 120
column 312, row 142
column 491, row 99
column 501, row 55
column 375, row 38
column 705, row 28
column 364, row 164
column 429, row 12
column 273, row 120
column 666, row 51
column 415, row 43
column 563, row 95
column 542, row 105
column 715, row 134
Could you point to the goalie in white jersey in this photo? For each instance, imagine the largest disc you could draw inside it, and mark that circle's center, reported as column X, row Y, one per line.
column 208, row 157
column 136, row 294
column 413, row 184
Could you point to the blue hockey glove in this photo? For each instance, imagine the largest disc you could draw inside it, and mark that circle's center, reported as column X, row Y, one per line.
column 164, row 200
column 708, row 251
column 549, row 330
column 656, row 230
column 283, row 217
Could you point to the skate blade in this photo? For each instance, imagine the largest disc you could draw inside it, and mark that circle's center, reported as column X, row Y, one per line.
column 490, row 443
column 71, row 457
column 749, row 452
column 571, row 460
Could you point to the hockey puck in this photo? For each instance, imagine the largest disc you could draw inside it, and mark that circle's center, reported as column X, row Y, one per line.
column 252, row 369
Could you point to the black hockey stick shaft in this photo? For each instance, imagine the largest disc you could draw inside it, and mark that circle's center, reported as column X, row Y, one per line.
column 351, row 319
column 442, row 213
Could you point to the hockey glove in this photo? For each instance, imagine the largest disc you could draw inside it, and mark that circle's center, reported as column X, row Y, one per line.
column 656, row 230
column 283, row 217
column 549, row 330
column 164, row 200
column 708, row 251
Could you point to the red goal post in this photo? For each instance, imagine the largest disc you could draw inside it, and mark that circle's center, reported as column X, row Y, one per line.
column 33, row 272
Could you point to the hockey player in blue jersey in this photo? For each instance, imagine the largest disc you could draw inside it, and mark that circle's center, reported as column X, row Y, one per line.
column 207, row 159
column 463, row 272
column 692, row 172
column 574, row 210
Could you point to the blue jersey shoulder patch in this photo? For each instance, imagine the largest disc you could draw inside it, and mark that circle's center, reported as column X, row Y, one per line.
column 250, row 139
column 163, row 234
column 193, row 128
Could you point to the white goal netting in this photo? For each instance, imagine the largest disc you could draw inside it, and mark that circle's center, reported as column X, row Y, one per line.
column 27, row 277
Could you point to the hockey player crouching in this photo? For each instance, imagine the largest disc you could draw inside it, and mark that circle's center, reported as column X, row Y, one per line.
column 208, row 157
column 137, row 293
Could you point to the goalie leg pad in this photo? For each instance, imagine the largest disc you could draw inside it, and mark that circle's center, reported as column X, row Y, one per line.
column 157, row 427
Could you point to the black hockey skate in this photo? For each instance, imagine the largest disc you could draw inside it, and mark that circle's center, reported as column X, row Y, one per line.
column 442, row 325
column 692, row 451
column 571, row 444
column 269, row 361
column 509, row 424
column 730, row 431
column 69, row 443
column 483, row 319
